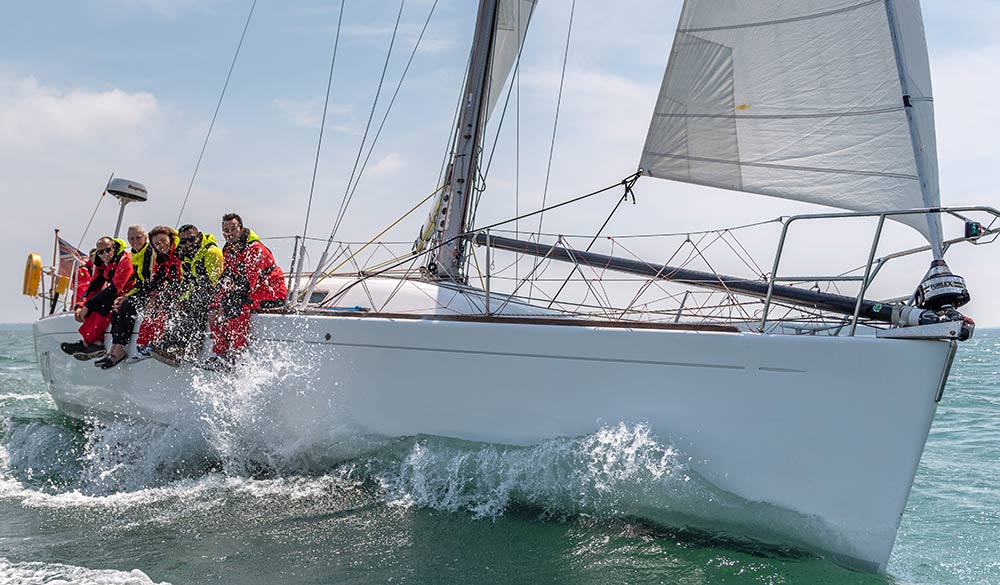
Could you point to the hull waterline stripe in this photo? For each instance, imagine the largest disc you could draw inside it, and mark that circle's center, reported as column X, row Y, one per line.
column 513, row 354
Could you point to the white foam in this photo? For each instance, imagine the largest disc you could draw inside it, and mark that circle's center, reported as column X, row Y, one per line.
column 59, row 574
column 246, row 415
column 13, row 396
column 606, row 470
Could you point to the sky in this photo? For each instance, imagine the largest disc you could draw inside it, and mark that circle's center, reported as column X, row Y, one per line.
column 94, row 87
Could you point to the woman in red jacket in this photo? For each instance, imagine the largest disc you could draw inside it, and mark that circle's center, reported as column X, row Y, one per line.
column 165, row 286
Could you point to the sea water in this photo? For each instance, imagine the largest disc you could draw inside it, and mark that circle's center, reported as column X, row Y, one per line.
column 195, row 502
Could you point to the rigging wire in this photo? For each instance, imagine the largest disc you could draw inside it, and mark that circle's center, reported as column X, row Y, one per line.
column 408, row 257
column 218, row 106
column 555, row 122
column 361, row 148
column 322, row 125
column 452, row 136
column 299, row 250
column 597, row 234
column 392, row 101
column 381, row 233
column 517, row 138
column 503, row 116
column 96, row 207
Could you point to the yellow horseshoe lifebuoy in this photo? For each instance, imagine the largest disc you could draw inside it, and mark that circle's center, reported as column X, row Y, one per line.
column 32, row 274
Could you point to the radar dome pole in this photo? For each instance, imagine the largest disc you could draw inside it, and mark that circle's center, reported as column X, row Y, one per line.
column 126, row 191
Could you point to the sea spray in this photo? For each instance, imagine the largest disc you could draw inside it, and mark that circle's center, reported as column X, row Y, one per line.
column 268, row 415
column 237, row 409
column 602, row 471
column 618, row 472
column 103, row 459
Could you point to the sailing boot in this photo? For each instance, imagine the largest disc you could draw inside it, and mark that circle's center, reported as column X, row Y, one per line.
column 71, row 348
column 90, row 352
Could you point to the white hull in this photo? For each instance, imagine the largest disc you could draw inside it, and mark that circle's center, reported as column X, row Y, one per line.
column 788, row 421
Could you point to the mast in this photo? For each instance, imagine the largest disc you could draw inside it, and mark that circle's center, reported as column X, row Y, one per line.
column 449, row 219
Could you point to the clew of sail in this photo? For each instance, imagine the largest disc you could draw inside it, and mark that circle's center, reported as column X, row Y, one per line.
column 823, row 101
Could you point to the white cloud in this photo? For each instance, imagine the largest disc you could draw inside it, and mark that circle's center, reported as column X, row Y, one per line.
column 36, row 117
column 309, row 113
column 169, row 9
column 387, row 165
column 965, row 104
column 57, row 147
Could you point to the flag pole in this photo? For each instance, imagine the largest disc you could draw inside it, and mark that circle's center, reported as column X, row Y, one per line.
column 55, row 274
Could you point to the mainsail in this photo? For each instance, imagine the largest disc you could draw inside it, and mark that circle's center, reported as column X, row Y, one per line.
column 508, row 36
column 823, row 101
column 495, row 51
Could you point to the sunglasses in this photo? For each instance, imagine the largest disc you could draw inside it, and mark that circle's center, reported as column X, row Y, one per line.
column 105, row 250
column 190, row 239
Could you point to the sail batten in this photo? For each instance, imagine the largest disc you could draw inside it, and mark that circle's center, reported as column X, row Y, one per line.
column 803, row 169
column 822, row 101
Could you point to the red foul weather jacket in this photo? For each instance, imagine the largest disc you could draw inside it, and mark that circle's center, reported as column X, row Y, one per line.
column 250, row 277
column 110, row 280
column 83, row 277
column 166, row 274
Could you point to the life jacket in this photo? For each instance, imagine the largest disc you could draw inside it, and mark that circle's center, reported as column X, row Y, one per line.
column 251, row 275
column 202, row 269
column 142, row 265
column 112, row 279
column 84, row 275
column 166, row 275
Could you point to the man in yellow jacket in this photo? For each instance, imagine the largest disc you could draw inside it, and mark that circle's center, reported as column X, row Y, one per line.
column 129, row 306
column 201, row 266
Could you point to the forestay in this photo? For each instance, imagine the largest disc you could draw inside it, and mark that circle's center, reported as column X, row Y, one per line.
column 804, row 100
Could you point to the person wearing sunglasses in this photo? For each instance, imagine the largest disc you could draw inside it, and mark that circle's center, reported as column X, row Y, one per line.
column 113, row 277
column 164, row 288
column 251, row 281
column 201, row 267
column 127, row 307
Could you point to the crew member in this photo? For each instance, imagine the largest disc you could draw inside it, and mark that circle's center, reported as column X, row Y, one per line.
column 251, row 280
column 164, row 287
column 201, row 267
column 113, row 276
column 127, row 307
column 84, row 274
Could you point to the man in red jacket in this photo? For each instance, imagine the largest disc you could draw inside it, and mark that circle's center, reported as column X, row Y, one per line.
column 112, row 278
column 251, row 280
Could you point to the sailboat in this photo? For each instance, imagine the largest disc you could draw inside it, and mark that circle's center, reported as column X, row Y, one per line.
column 822, row 102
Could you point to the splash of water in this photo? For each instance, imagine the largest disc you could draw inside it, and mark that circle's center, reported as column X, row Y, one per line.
column 609, row 470
column 268, row 416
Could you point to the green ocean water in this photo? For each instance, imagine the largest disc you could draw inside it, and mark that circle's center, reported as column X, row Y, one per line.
column 131, row 503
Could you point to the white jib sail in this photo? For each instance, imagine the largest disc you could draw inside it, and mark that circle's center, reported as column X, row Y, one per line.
column 804, row 100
